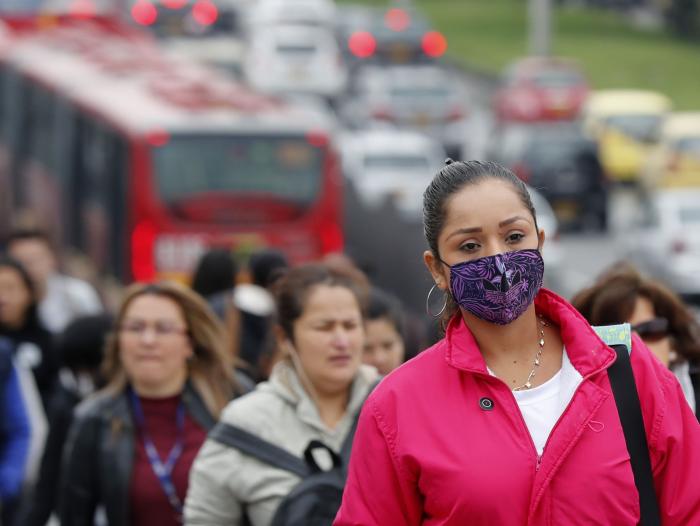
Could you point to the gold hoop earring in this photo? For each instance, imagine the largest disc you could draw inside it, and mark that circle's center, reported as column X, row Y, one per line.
column 427, row 303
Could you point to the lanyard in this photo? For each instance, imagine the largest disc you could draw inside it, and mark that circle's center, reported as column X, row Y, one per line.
column 162, row 471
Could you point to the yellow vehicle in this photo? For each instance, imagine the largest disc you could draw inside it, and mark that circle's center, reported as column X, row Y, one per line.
column 626, row 125
column 675, row 161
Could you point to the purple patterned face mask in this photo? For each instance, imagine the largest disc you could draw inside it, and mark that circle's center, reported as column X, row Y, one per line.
column 499, row 288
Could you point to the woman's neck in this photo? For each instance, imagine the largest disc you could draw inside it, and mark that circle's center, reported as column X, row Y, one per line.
column 332, row 406
column 514, row 341
column 159, row 390
column 513, row 352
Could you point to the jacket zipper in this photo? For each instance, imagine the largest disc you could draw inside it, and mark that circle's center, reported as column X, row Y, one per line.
column 538, row 457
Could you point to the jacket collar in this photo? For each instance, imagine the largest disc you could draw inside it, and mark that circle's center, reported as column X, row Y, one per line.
column 119, row 407
column 285, row 383
column 585, row 349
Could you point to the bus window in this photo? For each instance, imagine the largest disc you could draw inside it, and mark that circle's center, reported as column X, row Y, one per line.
column 42, row 192
column 100, row 196
column 242, row 180
column 14, row 125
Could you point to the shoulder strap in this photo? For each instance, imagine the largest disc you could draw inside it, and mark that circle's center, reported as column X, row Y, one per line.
column 629, row 408
column 258, row 448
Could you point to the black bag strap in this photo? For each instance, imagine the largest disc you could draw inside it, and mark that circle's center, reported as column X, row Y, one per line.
column 315, row 445
column 629, row 408
column 256, row 447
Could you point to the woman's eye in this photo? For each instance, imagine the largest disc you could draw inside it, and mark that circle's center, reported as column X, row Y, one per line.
column 469, row 246
column 515, row 237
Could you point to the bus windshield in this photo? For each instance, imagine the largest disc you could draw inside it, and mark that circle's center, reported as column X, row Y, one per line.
column 234, row 178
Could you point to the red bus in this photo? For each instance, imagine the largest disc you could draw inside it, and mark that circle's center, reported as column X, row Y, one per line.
column 142, row 161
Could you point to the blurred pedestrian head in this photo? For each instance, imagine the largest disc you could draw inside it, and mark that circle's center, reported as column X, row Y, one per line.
column 216, row 272
column 81, row 344
column 439, row 205
column 384, row 330
column 266, row 266
column 33, row 248
column 655, row 312
column 320, row 316
column 343, row 264
column 18, row 302
column 165, row 333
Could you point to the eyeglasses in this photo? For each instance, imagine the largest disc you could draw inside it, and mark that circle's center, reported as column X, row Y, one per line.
column 160, row 328
column 652, row 330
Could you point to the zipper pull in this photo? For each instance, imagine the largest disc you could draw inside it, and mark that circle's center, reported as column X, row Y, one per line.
column 539, row 462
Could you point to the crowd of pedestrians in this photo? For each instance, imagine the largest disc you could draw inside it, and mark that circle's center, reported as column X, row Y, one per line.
column 223, row 401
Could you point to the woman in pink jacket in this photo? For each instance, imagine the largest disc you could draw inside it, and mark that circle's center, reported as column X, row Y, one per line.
column 510, row 419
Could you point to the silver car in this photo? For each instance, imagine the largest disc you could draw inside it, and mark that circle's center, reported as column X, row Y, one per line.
column 427, row 99
column 665, row 242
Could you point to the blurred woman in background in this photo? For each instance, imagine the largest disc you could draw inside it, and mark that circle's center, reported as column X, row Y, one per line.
column 656, row 313
column 79, row 348
column 168, row 377
column 19, row 323
column 384, row 326
column 32, row 354
column 14, row 436
column 314, row 393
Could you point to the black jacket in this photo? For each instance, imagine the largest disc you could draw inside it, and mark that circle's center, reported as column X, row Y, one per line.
column 98, row 458
column 45, row 368
column 43, row 503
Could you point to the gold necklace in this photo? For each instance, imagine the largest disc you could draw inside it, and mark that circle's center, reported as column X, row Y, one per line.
column 538, row 356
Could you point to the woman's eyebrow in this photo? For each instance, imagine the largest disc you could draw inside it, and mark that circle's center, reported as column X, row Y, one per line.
column 464, row 231
column 511, row 220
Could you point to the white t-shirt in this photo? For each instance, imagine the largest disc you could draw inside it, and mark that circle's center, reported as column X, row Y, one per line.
column 542, row 406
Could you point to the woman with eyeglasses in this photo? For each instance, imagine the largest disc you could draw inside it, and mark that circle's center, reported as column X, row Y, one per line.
column 656, row 313
column 131, row 446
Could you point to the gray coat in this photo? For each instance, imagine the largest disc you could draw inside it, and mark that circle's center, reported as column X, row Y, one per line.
column 225, row 484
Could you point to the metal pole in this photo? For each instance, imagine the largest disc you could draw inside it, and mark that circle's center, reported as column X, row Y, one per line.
column 540, row 14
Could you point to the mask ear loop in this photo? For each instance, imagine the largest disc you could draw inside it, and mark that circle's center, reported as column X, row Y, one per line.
column 427, row 303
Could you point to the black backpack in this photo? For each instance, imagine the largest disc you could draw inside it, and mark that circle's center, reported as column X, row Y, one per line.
column 316, row 499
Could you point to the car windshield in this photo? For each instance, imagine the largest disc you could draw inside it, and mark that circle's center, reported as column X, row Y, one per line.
column 14, row 7
column 554, row 152
column 557, row 78
column 641, row 127
column 408, row 94
column 296, row 50
column 689, row 215
column 542, row 147
column 282, row 168
column 689, row 146
column 396, row 162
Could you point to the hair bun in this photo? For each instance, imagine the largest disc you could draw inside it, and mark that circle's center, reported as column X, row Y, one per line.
column 448, row 161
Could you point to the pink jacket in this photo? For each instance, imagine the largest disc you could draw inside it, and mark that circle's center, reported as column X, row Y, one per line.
column 427, row 453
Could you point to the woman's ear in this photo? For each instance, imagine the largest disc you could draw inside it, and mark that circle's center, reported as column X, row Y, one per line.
column 436, row 269
column 283, row 342
column 540, row 239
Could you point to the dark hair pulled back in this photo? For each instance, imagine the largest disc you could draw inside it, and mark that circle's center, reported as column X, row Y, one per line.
column 454, row 176
column 292, row 291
